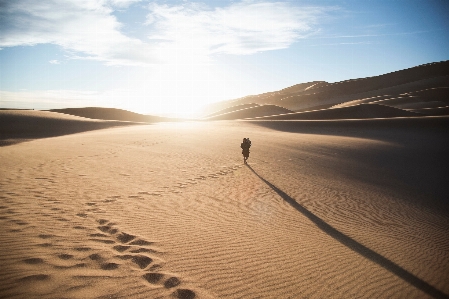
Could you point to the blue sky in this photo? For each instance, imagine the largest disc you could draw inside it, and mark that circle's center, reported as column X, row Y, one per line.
column 162, row 57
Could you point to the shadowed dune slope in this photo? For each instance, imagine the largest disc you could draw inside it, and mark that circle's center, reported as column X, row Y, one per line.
column 111, row 114
column 22, row 125
column 353, row 112
column 426, row 98
column 251, row 112
column 322, row 95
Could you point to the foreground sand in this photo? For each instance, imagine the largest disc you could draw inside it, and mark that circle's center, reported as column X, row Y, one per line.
column 170, row 210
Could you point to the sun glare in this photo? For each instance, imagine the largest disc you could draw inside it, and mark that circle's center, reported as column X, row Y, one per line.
column 171, row 90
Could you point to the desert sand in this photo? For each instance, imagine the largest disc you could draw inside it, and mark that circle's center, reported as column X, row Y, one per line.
column 169, row 209
column 350, row 201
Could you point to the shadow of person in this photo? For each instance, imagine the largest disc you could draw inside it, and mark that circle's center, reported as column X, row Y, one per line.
column 356, row 246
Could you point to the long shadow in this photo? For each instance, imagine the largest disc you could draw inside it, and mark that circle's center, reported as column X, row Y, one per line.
column 356, row 246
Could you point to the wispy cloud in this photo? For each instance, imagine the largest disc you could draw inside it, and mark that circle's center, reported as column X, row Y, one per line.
column 84, row 27
column 54, row 61
column 89, row 30
column 241, row 28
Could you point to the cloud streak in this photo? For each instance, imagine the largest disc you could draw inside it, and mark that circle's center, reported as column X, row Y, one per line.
column 86, row 28
column 89, row 30
column 241, row 28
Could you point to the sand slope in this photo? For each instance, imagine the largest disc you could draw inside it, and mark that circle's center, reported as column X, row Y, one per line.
column 421, row 87
column 22, row 125
column 111, row 114
column 170, row 211
column 360, row 111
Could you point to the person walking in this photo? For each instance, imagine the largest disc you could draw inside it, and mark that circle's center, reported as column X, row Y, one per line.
column 245, row 145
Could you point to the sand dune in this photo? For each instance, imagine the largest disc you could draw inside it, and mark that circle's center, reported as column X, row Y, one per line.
column 353, row 112
column 112, row 114
column 265, row 98
column 422, row 84
column 250, row 112
column 23, row 125
column 170, row 211
column 232, row 109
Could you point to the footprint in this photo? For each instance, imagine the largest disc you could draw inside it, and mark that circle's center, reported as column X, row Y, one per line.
column 95, row 257
column 125, row 238
column 65, row 256
column 121, row 248
column 109, row 266
column 104, row 228
column 142, row 261
column 184, row 294
column 33, row 261
column 172, row 282
column 153, row 277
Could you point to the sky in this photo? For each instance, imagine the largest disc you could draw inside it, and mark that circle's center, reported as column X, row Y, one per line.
column 172, row 57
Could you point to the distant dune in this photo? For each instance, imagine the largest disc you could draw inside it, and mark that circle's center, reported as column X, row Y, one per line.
column 421, row 90
column 265, row 98
column 112, row 114
column 251, row 112
column 232, row 109
column 22, row 125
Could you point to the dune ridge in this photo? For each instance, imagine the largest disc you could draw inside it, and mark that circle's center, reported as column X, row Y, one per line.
column 112, row 114
column 249, row 112
column 360, row 111
column 404, row 89
column 22, row 125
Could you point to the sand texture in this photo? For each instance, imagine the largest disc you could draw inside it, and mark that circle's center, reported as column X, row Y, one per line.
column 336, row 209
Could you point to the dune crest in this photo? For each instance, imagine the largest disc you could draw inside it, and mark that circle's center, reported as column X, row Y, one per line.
column 420, row 90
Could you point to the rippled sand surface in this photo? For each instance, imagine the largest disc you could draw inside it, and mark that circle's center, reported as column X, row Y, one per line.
column 170, row 210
